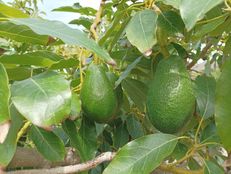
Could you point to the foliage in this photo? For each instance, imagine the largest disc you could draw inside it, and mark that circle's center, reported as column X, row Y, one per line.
column 43, row 66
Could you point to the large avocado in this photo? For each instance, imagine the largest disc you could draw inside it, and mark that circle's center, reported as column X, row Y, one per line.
column 170, row 101
column 99, row 100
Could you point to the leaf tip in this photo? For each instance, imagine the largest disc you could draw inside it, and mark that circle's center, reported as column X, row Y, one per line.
column 148, row 52
column 112, row 62
column 4, row 127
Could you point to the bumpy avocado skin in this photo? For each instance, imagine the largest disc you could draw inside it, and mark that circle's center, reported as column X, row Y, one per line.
column 170, row 101
column 99, row 101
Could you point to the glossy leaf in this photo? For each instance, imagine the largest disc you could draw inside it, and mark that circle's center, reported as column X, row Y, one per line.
column 8, row 148
column 212, row 168
column 48, row 144
column 4, row 95
column 141, row 31
column 191, row 11
column 137, row 91
column 21, row 34
column 222, row 107
column 11, row 12
column 205, row 95
column 44, row 99
column 142, row 155
column 65, row 33
column 84, row 140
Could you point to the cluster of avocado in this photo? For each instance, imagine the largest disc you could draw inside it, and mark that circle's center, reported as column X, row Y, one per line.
column 170, row 101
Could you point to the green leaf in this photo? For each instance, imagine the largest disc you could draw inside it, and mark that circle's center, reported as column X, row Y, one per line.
column 136, row 90
column 65, row 33
column 82, row 21
column 142, row 155
column 212, row 168
column 202, row 30
column 174, row 3
column 134, row 127
column 38, row 58
column 4, row 95
column 120, row 136
column 21, row 33
column 48, row 144
column 191, row 11
column 75, row 106
column 141, row 31
column 179, row 151
column 209, row 134
column 8, row 148
column 84, row 140
column 11, row 12
column 65, row 63
column 222, row 105
column 205, row 95
column 77, row 8
column 227, row 48
column 129, row 68
column 171, row 22
column 44, row 99
column 18, row 73
column 193, row 164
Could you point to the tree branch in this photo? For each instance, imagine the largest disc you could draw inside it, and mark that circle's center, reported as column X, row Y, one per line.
column 29, row 157
column 107, row 156
column 177, row 170
column 97, row 20
column 202, row 54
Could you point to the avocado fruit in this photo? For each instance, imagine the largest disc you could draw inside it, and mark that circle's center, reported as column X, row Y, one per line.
column 99, row 100
column 170, row 100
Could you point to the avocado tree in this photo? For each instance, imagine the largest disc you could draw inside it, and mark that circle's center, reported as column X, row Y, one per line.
column 140, row 87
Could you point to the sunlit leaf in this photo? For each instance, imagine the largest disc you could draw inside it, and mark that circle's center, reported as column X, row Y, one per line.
column 142, row 155
column 141, row 31
column 65, row 33
column 44, row 99
column 191, row 11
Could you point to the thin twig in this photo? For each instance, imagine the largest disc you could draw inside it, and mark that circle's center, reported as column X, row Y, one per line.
column 107, row 156
column 97, row 20
column 202, row 54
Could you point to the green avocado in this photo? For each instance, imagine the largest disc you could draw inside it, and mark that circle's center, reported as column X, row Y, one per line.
column 170, row 100
column 99, row 100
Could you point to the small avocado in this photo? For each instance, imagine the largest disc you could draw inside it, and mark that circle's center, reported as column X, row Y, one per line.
column 170, row 100
column 99, row 100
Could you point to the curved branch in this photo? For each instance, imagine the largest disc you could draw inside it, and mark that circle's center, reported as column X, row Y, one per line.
column 107, row 156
